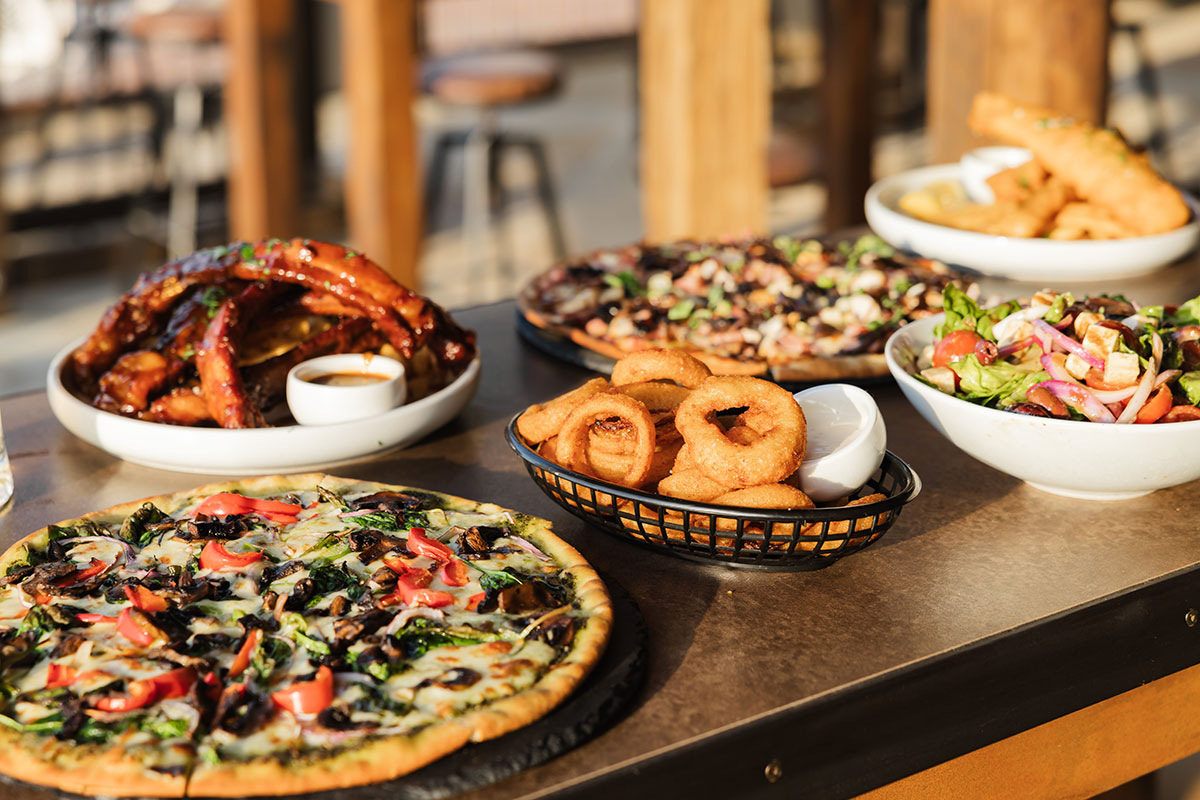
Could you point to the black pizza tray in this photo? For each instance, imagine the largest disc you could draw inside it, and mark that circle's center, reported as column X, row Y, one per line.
column 562, row 347
column 600, row 701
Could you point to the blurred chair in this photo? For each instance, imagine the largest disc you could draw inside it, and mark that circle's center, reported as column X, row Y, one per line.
column 484, row 83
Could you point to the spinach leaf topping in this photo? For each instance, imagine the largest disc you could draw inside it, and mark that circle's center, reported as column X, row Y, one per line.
column 133, row 529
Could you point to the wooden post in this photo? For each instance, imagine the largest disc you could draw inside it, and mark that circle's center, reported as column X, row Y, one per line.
column 705, row 113
column 383, row 199
column 847, row 102
column 259, row 99
column 1051, row 53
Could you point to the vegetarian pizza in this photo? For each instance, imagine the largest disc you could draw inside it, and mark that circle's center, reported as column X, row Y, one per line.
column 282, row 634
column 802, row 310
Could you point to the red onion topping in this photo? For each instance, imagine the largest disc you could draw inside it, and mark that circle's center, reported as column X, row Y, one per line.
column 1059, row 338
column 1079, row 398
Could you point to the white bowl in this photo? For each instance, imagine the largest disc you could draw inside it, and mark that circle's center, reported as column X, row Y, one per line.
column 846, row 437
column 982, row 163
column 1087, row 460
column 1044, row 261
column 320, row 404
column 256, row 451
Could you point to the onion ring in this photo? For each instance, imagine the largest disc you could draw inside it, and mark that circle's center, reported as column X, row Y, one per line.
column 573, row 438
column 774, row 495
column 657, row 396
column 540, row 422
column 690, row 484
column 612, row 467
column 772, row 412
column 668, row 365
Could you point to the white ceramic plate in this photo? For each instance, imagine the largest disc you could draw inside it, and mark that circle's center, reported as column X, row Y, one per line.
column 1043, row 260
column 259, row 451
column 1084, row 460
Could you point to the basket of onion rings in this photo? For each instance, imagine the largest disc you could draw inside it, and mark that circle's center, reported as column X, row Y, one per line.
column 701, row 466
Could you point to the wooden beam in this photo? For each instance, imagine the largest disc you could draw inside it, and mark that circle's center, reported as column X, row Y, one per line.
column 1080, row 755
column 1051, row 53
column 259, row 102
column 379, row 69
column 846, row 105
column 705, row 88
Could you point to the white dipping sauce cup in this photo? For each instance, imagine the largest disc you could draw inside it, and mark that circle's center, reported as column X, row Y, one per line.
column 320, row 404
column 858, row 440
column 982, row 163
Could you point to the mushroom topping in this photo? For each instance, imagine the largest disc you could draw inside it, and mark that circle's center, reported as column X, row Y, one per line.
column 206, row 527
column 347, row 631
column 457, row 678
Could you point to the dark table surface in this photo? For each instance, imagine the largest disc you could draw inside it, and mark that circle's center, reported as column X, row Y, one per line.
column 989, row 608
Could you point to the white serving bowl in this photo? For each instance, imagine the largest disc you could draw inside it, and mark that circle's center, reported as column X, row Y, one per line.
column 1086, row 460
column 320, row 404
column 982, row 163
column 846, row 415
column 1044, row 261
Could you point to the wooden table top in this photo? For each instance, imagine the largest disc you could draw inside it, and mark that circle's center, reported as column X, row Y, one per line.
column 989, row 608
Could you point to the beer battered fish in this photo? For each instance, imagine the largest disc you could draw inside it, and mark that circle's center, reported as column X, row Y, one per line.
column 1094, row 162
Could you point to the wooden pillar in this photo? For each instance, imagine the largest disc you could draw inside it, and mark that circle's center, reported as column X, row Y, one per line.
column 259, row 108
column 1051, row 53
column 847, row 100
column 705, row 90
column 383, row 200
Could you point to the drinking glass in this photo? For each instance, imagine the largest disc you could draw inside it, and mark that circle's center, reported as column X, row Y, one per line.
column 6, row 476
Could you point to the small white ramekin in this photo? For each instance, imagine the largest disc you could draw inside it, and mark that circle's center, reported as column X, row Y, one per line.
column 319, row 404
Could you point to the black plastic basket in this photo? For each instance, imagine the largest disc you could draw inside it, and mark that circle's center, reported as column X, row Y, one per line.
column 752, row 538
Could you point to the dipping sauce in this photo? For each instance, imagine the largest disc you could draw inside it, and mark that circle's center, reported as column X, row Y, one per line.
column 348, row 378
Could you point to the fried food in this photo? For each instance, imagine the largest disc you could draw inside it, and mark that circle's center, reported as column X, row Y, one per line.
column 653, row 365
column 573, row 440
column 1094, row 163
column 1017, row 184
column 1087, row 221
column 226, row 324
column 776, row 417
column 540, row 422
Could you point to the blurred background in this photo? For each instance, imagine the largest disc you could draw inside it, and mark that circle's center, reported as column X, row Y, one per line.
column 469, row 144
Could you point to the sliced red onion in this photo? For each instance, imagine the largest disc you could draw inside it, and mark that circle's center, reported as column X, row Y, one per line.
column 1166, row 376
column 362, row 512
column 1013, row 323
column 354, row 677
column 1066, row 343
column 184, row 710
column 528, row 546
column 1079, row 398
column 1145, row 385
column 1109, row 397
column 24, row 597
column 401, row 619
column 1014, row 347
column 1057, row 371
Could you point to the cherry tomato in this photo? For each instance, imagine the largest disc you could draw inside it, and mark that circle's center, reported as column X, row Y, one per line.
column 242, row 659
column 421, row 545
column 173, row 684
column 95, row 619
column 214, row 556
column 954, row 346
column 453, row 573
column 474, row 600
column 1181, row 413
column 227, row 504
column 418, row 576
column 137, row 628
column 307, row 697
column 411, row 592
column 1156, row 407
column 144, row 599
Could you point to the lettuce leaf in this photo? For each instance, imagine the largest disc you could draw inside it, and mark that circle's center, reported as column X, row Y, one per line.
column 964, row 314
column 1190, row 383
column 1055, row 314
column 998, row 384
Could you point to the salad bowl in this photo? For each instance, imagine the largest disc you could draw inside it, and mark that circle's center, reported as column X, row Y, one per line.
column 1086, row 460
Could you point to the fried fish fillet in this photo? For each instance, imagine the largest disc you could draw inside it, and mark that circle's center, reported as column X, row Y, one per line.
column 1095, row 163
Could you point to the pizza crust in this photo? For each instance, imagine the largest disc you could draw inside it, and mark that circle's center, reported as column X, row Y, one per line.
column 108, row 771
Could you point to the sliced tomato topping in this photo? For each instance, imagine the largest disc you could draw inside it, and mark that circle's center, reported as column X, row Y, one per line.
column 60, row 675
column 139, row 694
column 954, row 346
column 95, row 619
column 146, row 600
column 307, row 697
column 1156, row 407
column 421, row 545
column 94, row 568
column 453, row 573
column 1181, row 413
column 227, row 504
column 242, row 659
column 214, row 556
column 411, row 591
column 137, row 628
column 474, row 600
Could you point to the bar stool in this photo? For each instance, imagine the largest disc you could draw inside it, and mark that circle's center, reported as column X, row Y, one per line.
column 484, row 83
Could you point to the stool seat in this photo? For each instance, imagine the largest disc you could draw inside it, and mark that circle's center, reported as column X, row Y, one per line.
column 177, row 25
column 492, row 79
